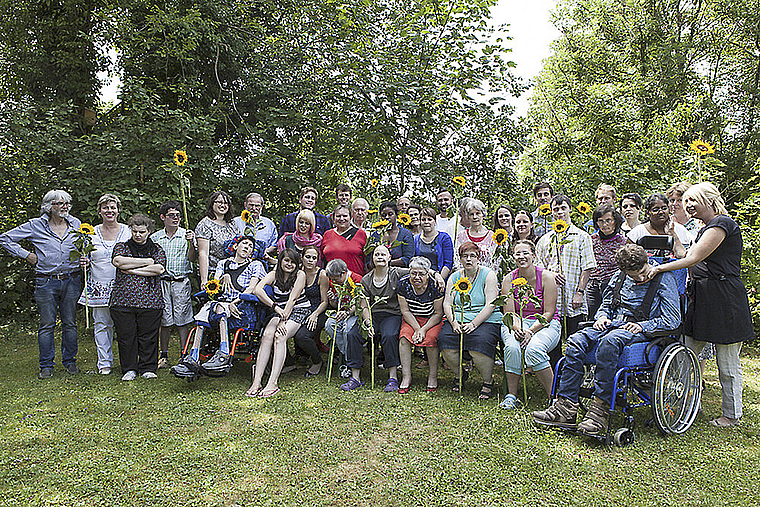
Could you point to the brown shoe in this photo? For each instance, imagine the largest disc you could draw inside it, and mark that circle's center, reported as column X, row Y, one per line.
column 562, row 414
column 594, row 423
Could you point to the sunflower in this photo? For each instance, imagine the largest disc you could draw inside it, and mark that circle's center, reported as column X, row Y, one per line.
column 519, row 282
column 380, row 224
column 180, row 157
column 404, row 219
column 463, row 285
column 371, row 211
column 213, row 287
column 701, row 148
column 350, row 282
column 544, row 210
column 583, row 208
column 559, row 226
column 500, row 236
column 245, row 216
column 373, row 182
column 459, row 180
column 87, row 229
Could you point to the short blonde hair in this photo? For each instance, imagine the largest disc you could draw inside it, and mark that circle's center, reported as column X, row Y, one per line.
column 307, row 215
column 707, row 194
column 677, row 188
column 604, row 187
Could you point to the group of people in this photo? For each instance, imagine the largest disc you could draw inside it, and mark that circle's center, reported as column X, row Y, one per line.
column 416, row 277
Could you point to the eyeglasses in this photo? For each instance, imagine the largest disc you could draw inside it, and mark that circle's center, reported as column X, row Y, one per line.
column 61, row 203
column 173, row 215
column 606, row 221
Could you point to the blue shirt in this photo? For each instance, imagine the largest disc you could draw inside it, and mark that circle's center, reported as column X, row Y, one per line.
column 665, row 313
column 266, row 231
column 289, row 223
column 404, row 251
column 442, row 251
column 52, row 251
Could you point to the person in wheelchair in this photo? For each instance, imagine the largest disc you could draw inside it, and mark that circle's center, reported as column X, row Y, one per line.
column 238, row 275
column 631, row 308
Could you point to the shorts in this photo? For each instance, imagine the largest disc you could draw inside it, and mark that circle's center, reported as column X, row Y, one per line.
column 178, row 308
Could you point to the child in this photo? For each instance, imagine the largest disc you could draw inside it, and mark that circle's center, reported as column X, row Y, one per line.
column 237, row 275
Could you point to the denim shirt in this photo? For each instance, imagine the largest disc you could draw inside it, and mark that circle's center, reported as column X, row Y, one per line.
column 52, row 251
column 665, row 313
column 266, row 231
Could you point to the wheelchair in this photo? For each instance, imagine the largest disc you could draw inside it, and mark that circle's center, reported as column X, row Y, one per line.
column 662, row 374
column 243, row 338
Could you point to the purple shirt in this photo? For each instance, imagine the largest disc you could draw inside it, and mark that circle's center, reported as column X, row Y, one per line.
column 52, row 251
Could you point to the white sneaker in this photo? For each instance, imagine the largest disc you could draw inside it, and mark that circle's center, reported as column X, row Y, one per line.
column 163, row 363
column 130, row 375
column 149, row 375
column 105, row 371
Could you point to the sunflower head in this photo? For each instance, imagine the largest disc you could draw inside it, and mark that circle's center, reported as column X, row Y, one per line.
column 372, row 211
column 373, row 182
column 404, row 219
column 380, row 224
column 559, row 226
column 500, row 236
column 701, row 148
column 519, row 282
column 213, row 287
column 463, row 285
column 350, row 282
column 245, row 216
column 544, row 210
column 87, row 229
column 583, row 208
column 180, row 157
column 459, row 180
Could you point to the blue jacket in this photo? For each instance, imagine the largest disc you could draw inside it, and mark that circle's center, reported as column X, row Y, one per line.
column 444, row 250
column 404, row 251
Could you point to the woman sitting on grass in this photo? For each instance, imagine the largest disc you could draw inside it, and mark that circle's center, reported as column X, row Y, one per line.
column 290, row 309
column 421, row 304
column 536, row 339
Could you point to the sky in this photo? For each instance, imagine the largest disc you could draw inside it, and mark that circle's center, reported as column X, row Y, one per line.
column 532, row 34
column 530, row 28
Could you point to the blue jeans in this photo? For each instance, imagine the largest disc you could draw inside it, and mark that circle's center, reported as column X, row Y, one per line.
column 611, row 343
column 57, row 297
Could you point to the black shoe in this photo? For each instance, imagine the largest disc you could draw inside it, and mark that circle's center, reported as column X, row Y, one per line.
column 46, row 373
column 73, row 369
column 186, row 368
column 219, row 364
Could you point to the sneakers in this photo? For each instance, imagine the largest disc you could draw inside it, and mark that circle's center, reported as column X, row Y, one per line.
column 130, row 375
column 45, row 373
column 186, row 368
column 594, row 423
column 345, row 371
column 219, row 364
column 149, row 375
column 105, row 370
column 562, row 414
column 163, row 363
column 72, row 369
column 510, row 402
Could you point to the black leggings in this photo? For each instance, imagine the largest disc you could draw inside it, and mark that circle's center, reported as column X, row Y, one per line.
column 307, row 340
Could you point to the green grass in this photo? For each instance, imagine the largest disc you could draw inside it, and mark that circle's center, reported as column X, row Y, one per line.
column 94, row 440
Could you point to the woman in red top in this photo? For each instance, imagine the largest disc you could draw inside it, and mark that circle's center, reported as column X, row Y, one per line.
column 345, row 241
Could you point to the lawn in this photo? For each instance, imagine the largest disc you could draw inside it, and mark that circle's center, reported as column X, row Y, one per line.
column 94, row 440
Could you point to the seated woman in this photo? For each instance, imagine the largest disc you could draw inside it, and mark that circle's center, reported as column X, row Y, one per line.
column 290, row 308
column 315, row 291
column 304, row 236
column 338, row 326
column 434, row 245
column 238, row 275
column 606, row 241
column 524, row 226
column 479, row 322
column 657, row 211
column 385, row 317
column 537, row 340
column 421, row 305
column 345, row 241
column 404, row 251
column 477, row 233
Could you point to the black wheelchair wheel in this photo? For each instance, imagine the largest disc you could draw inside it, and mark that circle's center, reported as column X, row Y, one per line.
column 676, row 389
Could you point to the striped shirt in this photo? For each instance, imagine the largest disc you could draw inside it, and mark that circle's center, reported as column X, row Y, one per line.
column 421, row 305
column 177, row 263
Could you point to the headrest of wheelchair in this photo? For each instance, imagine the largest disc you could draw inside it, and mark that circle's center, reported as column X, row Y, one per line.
column 656, row 242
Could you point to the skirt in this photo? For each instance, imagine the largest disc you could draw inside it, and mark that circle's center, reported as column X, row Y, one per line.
column 482, row 340
column 431, row 337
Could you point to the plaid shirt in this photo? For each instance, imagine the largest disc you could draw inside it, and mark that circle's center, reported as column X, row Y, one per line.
column 576, row 256
column 177, row 263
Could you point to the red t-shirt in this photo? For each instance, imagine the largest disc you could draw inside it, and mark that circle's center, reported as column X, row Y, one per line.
column 335, row 246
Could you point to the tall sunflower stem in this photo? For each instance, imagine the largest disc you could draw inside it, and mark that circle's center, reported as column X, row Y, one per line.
column 332, row 346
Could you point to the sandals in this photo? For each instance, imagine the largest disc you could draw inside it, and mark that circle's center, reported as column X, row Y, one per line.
column 465, row 376
column 253, row 393
column 718, row 423
column 267, row 394
column 432, row 389
column 309, row 374
column 404, row 390
column 486, row 395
